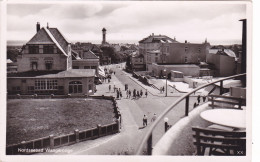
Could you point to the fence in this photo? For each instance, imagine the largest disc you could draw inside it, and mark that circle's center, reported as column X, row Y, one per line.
column 51, row 142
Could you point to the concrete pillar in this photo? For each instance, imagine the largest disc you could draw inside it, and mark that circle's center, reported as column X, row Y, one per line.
column 99, row 130
column 51, row 141
column 76, row 132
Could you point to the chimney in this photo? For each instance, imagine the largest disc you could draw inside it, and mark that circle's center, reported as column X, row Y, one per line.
column 38, row 26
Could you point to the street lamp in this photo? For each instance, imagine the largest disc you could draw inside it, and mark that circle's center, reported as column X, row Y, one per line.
column 166, row 125
column 166, row 82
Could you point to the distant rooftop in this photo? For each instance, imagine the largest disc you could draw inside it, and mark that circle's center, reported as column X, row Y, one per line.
column 158, row 39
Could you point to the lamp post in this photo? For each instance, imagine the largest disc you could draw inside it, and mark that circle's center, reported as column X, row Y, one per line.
column 166, row 125
column 166, row 82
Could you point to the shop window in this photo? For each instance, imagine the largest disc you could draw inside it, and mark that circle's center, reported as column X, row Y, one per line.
column 75, row 67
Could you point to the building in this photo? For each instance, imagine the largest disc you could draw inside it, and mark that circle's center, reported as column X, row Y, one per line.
column 82, row 47
column 104, row 42
column 223, row 61
column 47, row 50
column 165, row 50
column 137, row 62
column 11, row 66
column 88, row 61
column 45, row 67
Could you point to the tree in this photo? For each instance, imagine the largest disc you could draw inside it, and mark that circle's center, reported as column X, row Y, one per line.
column 12, row 54
column 110, row 52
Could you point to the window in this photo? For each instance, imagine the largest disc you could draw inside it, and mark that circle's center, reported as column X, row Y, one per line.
column 75, row 67
column 186, row 49
column 156, row 59
column 33, row 49
column 86, row 67
column 48, row 65
column 75, row 87
column 34, row 65
column 199, row 49
column 23, row 80
column 46, row 84
column 47, row 49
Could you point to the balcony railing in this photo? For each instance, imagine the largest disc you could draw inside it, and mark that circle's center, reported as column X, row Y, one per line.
column 148, row 136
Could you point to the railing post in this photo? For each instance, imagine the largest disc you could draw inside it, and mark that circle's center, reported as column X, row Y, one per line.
column 221, row 87
column 51, row 141
column 76, row 132
column 149, row 144
column 187, row 106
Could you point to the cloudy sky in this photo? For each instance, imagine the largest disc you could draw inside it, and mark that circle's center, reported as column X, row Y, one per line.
column 130, row 21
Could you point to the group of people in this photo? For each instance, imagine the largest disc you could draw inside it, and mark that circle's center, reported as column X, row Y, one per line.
column 198, row 99
column 162, row 89
column 136, row 94
column 145, row 118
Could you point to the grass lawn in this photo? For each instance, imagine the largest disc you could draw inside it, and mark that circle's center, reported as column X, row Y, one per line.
column 29, row 119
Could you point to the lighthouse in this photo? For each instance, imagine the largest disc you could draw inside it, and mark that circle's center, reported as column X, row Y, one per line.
column 104, row 31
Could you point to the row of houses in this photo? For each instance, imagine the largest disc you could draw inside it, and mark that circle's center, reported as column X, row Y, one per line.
column 158, row 53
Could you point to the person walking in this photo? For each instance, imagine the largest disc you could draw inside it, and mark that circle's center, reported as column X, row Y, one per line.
column 146, row 93
column 198, row 99
column 129, row 91
column 141, row 93
column 163, row 89
column 145, row 121
column 120, row 93
column 154, row 117
column 204, row 98
column 134, row 93
column 109, row 87
column 117, row 94
column 137, row 94
column 194, row 105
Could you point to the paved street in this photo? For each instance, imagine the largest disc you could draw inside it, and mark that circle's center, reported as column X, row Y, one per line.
column 132, row 111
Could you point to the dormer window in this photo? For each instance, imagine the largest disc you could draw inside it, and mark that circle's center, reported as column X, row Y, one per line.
column 48, row 49
column 33, row 49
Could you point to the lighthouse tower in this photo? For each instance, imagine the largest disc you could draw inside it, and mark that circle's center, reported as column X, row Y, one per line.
column 104, row 31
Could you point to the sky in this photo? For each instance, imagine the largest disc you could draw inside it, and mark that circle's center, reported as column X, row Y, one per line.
column 130, row 21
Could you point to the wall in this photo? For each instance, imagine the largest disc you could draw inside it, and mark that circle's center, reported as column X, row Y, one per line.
column 24, row 62
column 227, row 66
column 187, row 70
column 17, row 82
column 238, row 92
column 90, row 63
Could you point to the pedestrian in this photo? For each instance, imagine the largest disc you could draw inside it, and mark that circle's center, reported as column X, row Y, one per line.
column 204, row 98
column 137, row 94
column 129, row 93
column 114, row 73
column 154, row 117
column 194, row 105
column 198, row 99
column 146, row 93
column 145, row 121
column 109, row 87
column 108, row 80
column 163, row 89
column 120, row 93
column 117, row 94
column 134, row 93
column 141, row 93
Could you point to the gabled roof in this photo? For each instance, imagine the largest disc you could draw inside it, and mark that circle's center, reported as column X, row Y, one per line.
column 158, row 39
column 51, row 36
column 227, row 52
column 89, row 55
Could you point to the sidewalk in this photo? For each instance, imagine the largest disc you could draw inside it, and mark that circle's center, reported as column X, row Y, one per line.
column 155, row 92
